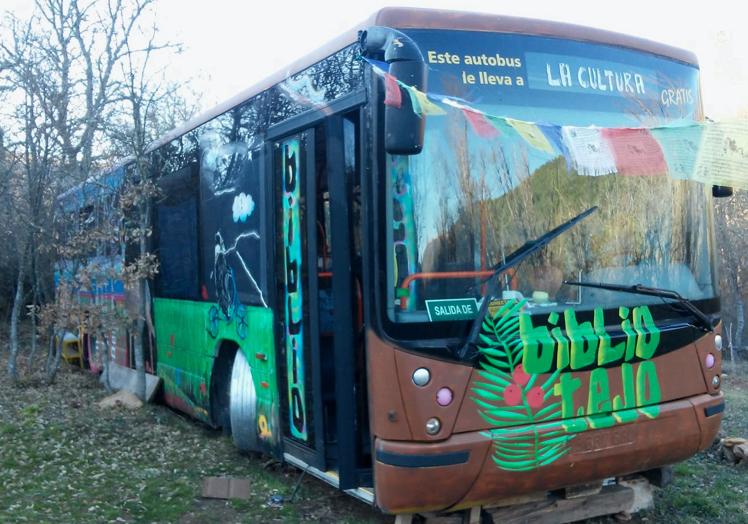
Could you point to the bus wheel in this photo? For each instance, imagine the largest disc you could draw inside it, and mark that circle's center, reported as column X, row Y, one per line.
column 243, row 405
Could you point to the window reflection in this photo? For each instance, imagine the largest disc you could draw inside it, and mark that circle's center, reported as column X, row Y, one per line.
column 469, row 202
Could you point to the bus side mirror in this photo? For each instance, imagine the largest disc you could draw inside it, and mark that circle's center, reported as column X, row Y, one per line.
column 403, row 128
column 721, row 191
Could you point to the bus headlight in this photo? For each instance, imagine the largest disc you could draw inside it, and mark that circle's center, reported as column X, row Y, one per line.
column 433, row 426
column 718, row 342
column 421, row 377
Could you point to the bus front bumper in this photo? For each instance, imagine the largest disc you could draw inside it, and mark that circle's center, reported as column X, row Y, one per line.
column 462, row 471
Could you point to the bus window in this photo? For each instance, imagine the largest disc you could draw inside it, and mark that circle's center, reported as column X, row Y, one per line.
column 176, row 234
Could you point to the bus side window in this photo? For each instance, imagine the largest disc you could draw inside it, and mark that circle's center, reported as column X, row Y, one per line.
column 176, row 237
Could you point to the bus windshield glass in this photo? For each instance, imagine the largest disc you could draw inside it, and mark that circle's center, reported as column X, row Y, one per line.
column 475, row 194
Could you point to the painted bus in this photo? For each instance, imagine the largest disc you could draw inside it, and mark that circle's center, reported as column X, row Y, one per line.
column 365, row 274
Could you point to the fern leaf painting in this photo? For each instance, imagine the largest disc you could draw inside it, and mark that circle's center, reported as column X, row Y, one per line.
column 510, row 399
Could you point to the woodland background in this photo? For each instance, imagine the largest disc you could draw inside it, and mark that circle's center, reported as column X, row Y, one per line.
column 80, row 91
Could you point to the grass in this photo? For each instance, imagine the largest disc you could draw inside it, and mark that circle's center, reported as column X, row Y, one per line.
column 706, row 488
column 63, row 459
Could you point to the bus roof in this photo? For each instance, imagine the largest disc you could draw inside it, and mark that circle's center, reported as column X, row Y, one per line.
column 419, row 18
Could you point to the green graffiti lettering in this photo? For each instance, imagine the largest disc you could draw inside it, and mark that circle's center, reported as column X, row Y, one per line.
column 625, row 416
column 623, row 313
column 565, row 389
column 538, row 346
column 647, row 385
column 584, row 341
column 605, row 352
column 601, row 421
column 648, row 332
column 562, row 343
column 598, row 400
column 627, row 379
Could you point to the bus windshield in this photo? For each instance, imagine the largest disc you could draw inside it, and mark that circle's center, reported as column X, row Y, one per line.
column 468, row 200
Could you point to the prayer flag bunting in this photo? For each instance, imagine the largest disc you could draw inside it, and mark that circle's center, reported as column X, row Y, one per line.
column 392, row 94
column 635, row 152
column 504, row 129
column 710, row 153
column 723, row 155
column 480, row 124
column 553, row 134
column 531, row 134
column 680, row 145
column 421, row 103
column 415, row 103
column 590, row 154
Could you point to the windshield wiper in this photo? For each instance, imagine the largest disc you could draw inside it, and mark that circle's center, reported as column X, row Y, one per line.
column 638, row 289
column 514, row 258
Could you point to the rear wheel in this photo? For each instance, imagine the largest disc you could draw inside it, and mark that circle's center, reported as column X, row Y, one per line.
column 243, row 405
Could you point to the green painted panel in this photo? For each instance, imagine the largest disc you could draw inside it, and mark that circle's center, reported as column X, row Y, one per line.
column 188, row 334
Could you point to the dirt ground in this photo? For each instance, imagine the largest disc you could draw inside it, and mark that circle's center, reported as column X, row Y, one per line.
column 65, row 460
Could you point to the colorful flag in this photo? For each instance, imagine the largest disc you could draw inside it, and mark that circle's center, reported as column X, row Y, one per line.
column 553, row 134
column 392, row 95
column 635, row 151
column 479, row 123
column 504, row 129
column 590, row 154
column 723, row 155
column 421, row 103
column 531, row 134
column 680, row 145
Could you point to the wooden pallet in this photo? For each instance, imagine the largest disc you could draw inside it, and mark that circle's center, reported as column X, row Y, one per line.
column 573, row 504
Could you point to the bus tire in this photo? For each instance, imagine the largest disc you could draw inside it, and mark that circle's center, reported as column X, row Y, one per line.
column 243, row 405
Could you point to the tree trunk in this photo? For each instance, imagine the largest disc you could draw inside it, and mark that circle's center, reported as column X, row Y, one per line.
column 740, row 321
column 54, row 357
column 34, row 324
column 14, row 315
column 105, row 361
column 140, row 358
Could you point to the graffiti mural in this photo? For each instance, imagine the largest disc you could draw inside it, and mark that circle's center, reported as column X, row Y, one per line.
column 185, row 360
column 529, row 383
column 293, row 298
column 403, row 230
column 228, row 309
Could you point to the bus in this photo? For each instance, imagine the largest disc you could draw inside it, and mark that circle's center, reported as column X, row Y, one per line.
column 374, row 267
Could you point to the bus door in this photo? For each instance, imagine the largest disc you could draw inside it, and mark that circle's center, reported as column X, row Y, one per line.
column 320, row 309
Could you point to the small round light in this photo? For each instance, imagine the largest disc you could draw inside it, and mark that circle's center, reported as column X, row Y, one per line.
column 433, row 426
column 421, row 377
column 709, row 361
column 444, row 397
column 718, row 342
column 715, row 381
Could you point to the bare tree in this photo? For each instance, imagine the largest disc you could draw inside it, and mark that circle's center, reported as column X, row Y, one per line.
column 731, row 226
column 67, row 70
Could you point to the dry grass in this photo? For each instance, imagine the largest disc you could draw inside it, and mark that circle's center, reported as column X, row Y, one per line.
column 64, row 460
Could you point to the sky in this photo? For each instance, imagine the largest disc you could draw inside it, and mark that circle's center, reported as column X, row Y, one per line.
column 230, row 45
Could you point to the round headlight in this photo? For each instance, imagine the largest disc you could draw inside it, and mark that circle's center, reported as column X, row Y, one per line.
column 421, row 377
column 433, row 426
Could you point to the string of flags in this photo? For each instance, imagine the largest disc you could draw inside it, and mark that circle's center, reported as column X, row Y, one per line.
column 714, row 153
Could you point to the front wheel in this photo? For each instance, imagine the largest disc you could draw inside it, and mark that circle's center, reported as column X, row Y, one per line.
column 243, row 405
